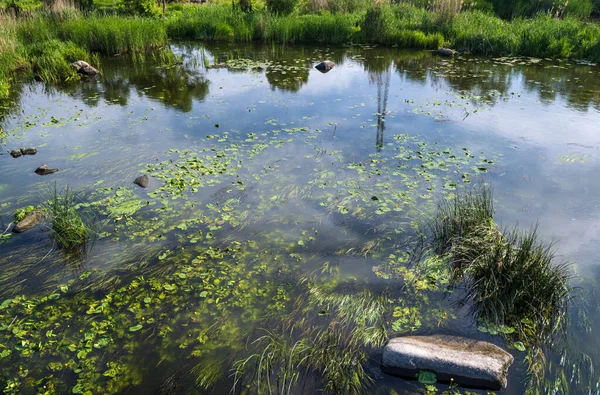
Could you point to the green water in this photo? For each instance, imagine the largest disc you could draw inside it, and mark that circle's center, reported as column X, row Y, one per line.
column 279, row 196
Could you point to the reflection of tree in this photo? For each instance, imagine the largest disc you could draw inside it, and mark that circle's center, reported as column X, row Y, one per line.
column 382, row 79
column 175, row 86
column 290, row 80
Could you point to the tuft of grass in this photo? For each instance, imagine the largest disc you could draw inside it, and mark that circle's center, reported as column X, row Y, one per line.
column 69, row 230
column 461, row 217
column 511, row 276
column 516, row 281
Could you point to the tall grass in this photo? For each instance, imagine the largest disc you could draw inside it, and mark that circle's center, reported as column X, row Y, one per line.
column 113, row 34
column 400, row 25
column 11, row 53
column 51, row 60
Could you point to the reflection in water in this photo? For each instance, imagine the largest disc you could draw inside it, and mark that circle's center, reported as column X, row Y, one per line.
column 383, row 88
column 258, row 200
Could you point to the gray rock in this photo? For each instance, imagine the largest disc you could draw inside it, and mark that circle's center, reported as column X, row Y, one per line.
column 445, row 52
column 84, row 68
column 45, row 170
column 325, row 66
column 28, row 151
column 469, row 362
column 142, row 181
column 16, row 153
column 30, row 220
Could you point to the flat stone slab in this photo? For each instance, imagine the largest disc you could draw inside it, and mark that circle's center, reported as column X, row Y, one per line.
column 468, row 362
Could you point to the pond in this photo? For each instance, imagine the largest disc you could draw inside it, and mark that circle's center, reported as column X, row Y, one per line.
column 280, row 213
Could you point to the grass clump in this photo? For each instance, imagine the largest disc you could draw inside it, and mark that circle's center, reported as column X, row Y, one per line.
column 51, row 60
column 68, row 227
column 510, row 275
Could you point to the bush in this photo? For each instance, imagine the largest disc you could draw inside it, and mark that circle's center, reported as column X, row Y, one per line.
column 281, row 7
column 142, row 7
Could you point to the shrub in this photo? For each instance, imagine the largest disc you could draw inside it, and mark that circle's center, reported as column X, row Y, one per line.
column 142, row 7
column 281, row 7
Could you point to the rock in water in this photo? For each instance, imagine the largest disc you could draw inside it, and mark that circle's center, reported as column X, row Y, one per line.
column 30, row 220
column 142, row 181
column 445, row 52
column 469, row 362
column 45, row 170
column 16, row 153
column 84, row 68
column 28, row 151
column 325, row 66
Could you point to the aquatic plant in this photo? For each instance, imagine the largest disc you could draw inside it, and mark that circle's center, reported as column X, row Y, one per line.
column 67, row 226
column 459, row 217
column 332, row 353
column 511, row 276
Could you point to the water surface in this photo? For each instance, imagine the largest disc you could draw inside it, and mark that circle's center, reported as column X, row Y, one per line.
column 269, row 183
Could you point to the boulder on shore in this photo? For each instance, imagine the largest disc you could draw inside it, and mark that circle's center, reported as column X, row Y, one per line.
column 325, row 66
column 466, row 362
column 445, row 52
column 30, row 220
column 142, row 181
column 84, row 68
column 45, row 170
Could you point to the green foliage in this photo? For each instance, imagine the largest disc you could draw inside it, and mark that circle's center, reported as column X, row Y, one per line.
column 22, row 212
column 426, row 377
column 114, row 35
column 400, row 25
column 526, row 8
column 281, row 7
column 147, row 8
column 51, row 60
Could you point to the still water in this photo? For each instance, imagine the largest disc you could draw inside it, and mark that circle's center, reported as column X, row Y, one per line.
column 276, row 192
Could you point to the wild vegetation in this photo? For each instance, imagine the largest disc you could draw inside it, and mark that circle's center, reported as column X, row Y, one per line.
column 226, row 281
column 46, row 38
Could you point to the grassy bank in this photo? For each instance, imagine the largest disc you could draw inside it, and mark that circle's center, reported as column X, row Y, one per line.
column 46, row 43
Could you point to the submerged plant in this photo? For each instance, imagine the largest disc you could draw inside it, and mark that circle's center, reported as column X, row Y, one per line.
column 334, row 354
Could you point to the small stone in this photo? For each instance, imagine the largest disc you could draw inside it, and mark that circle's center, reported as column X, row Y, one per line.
column 142, row 181
column 84, row 68
column 45, row 170
column 445, row 52
column 30, row 220
column 325, row 66
column 28, row 151
column 16, row 153
column 466, row 362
